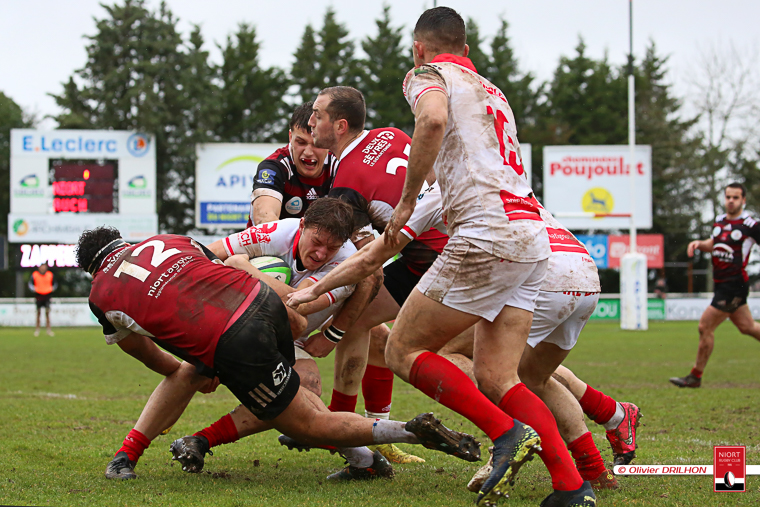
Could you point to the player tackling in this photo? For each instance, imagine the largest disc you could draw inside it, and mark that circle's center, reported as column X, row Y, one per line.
column 732, row 238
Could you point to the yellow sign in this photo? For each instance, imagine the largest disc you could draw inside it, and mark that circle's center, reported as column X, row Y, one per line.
column 598, row 200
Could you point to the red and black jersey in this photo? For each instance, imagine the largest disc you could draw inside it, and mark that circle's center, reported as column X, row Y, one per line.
column 168, row 289
column 374, row 167
column 277, row 177
column 732, row 242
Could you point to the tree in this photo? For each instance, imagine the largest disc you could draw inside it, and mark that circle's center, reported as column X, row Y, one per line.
column 141, row 76
column 324, row 59
column 252, row 105
column 11, row 117
column 479, row 59
column 387, row 62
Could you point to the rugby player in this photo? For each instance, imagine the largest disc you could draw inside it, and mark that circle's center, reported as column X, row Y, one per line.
column 168, row 291
column 492, row 268
column 732, row 238
column 371, row 167
column 292, row 177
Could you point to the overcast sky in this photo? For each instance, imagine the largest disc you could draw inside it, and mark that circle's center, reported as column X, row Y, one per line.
column 43, row 41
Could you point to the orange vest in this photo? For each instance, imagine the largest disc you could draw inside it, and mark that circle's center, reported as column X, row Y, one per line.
column 43, row 284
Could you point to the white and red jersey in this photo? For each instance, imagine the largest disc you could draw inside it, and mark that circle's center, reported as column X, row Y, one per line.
column 479, row 167
column 280, row 239
column 571, row 268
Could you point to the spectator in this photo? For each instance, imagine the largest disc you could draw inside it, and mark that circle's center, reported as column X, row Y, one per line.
column 661, row 288
column 43, row 283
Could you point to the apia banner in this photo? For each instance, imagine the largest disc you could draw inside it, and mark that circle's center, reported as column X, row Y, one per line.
column 224, row 175
column 596, row 179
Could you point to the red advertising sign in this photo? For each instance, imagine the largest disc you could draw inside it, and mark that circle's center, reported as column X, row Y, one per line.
column 653, row 245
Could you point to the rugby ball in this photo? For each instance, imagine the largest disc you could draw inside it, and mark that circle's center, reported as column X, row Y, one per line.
column 274, row 267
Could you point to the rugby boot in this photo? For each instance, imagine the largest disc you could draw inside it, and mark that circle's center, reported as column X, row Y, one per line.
column 120, row 467
column 510, row 452
column 434, row 435
column 482, row 474
column 191, row 452
column 623, row 438
column 581, row 497
column 395, row 455
column 292, row 444
column 606, row 480
column 379, row 468
column 687, row 381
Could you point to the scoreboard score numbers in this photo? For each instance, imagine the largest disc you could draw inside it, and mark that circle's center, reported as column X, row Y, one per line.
column 84, row 186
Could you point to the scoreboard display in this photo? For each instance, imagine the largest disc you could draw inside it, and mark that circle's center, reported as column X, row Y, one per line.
column 84, row 186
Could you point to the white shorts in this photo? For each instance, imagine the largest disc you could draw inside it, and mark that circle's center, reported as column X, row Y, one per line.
column 560, row 317
column 469, row 279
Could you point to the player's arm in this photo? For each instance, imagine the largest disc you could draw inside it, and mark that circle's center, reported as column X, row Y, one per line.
column 266, row 209
column 431, row 116
column 238, row 243
column 704, row 245
column 241, row 262
column 144, row 350
column 353, row 270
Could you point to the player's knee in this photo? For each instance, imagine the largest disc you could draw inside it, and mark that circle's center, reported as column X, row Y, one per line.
column 378, row 339
column 703, row 329
column 312, row 382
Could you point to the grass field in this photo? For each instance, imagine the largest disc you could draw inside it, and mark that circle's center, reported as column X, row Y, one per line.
column 68, row 401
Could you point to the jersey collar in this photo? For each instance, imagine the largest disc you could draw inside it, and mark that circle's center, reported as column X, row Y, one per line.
column 459, row 60
column 353, row 145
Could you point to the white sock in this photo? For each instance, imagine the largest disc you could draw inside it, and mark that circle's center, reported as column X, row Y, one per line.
column 616, row 419
column 377, row 415
column 359, row 457
column 392, row 432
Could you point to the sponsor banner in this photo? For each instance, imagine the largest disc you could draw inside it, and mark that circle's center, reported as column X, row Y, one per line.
column 33, row 152
column 675, row 470
column 66, row 227
column 597, row 247
column 55, row 256
column 61, row 314
column 225, row 213
column 595, row 179
column 224, row 174
column 607, row 309
column 651, row 245
column 729, row 468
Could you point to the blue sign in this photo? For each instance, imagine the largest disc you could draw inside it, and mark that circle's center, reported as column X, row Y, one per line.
column 597, row 246
column 225, row 213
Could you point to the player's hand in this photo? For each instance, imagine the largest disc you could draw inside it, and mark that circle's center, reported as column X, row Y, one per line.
column 302, row 296
column 319, row 346
column 210, row 386
column 692, row 246
column 397, row 222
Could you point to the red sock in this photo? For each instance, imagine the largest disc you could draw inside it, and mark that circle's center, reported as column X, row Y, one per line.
column 587, row 458
column 598, row 406
column 134, row 445
column 342, row 402
column 221, row 432
column 448, row 385
column 697, row 373
column 377, row 388
column 528, row 408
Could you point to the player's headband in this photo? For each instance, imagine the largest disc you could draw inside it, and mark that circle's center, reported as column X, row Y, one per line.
column 110, row 247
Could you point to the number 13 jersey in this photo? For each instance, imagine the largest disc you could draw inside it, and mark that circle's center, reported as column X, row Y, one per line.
column 479, row 167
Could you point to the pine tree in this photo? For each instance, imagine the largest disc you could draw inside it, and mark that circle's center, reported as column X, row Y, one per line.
column 479, row 59
column 252, row 105
column 11, row 117
column 387, row 62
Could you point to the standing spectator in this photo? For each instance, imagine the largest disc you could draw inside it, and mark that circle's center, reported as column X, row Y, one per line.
column 43, row 283
column 661, row 288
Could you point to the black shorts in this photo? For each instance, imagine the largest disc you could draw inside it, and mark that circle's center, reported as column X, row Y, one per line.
column 729, row 296
column 43, row 301
column 399, row 280
column 254, row 357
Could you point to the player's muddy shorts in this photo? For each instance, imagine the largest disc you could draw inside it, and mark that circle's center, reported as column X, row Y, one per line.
column 399, row 281
column 471, row 280
column 729, row 296
column 559, row 317
column 254, row 357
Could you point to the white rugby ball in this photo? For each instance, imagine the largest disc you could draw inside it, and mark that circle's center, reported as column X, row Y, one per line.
column 274, row 267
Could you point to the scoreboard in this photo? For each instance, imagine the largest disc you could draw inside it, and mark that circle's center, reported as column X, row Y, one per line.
column 84, row 188
column 63, row 182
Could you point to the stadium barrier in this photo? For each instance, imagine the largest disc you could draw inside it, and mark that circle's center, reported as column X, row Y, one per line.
column 69, row 312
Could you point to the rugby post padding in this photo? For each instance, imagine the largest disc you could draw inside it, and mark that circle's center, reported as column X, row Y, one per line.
column 633, row 292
